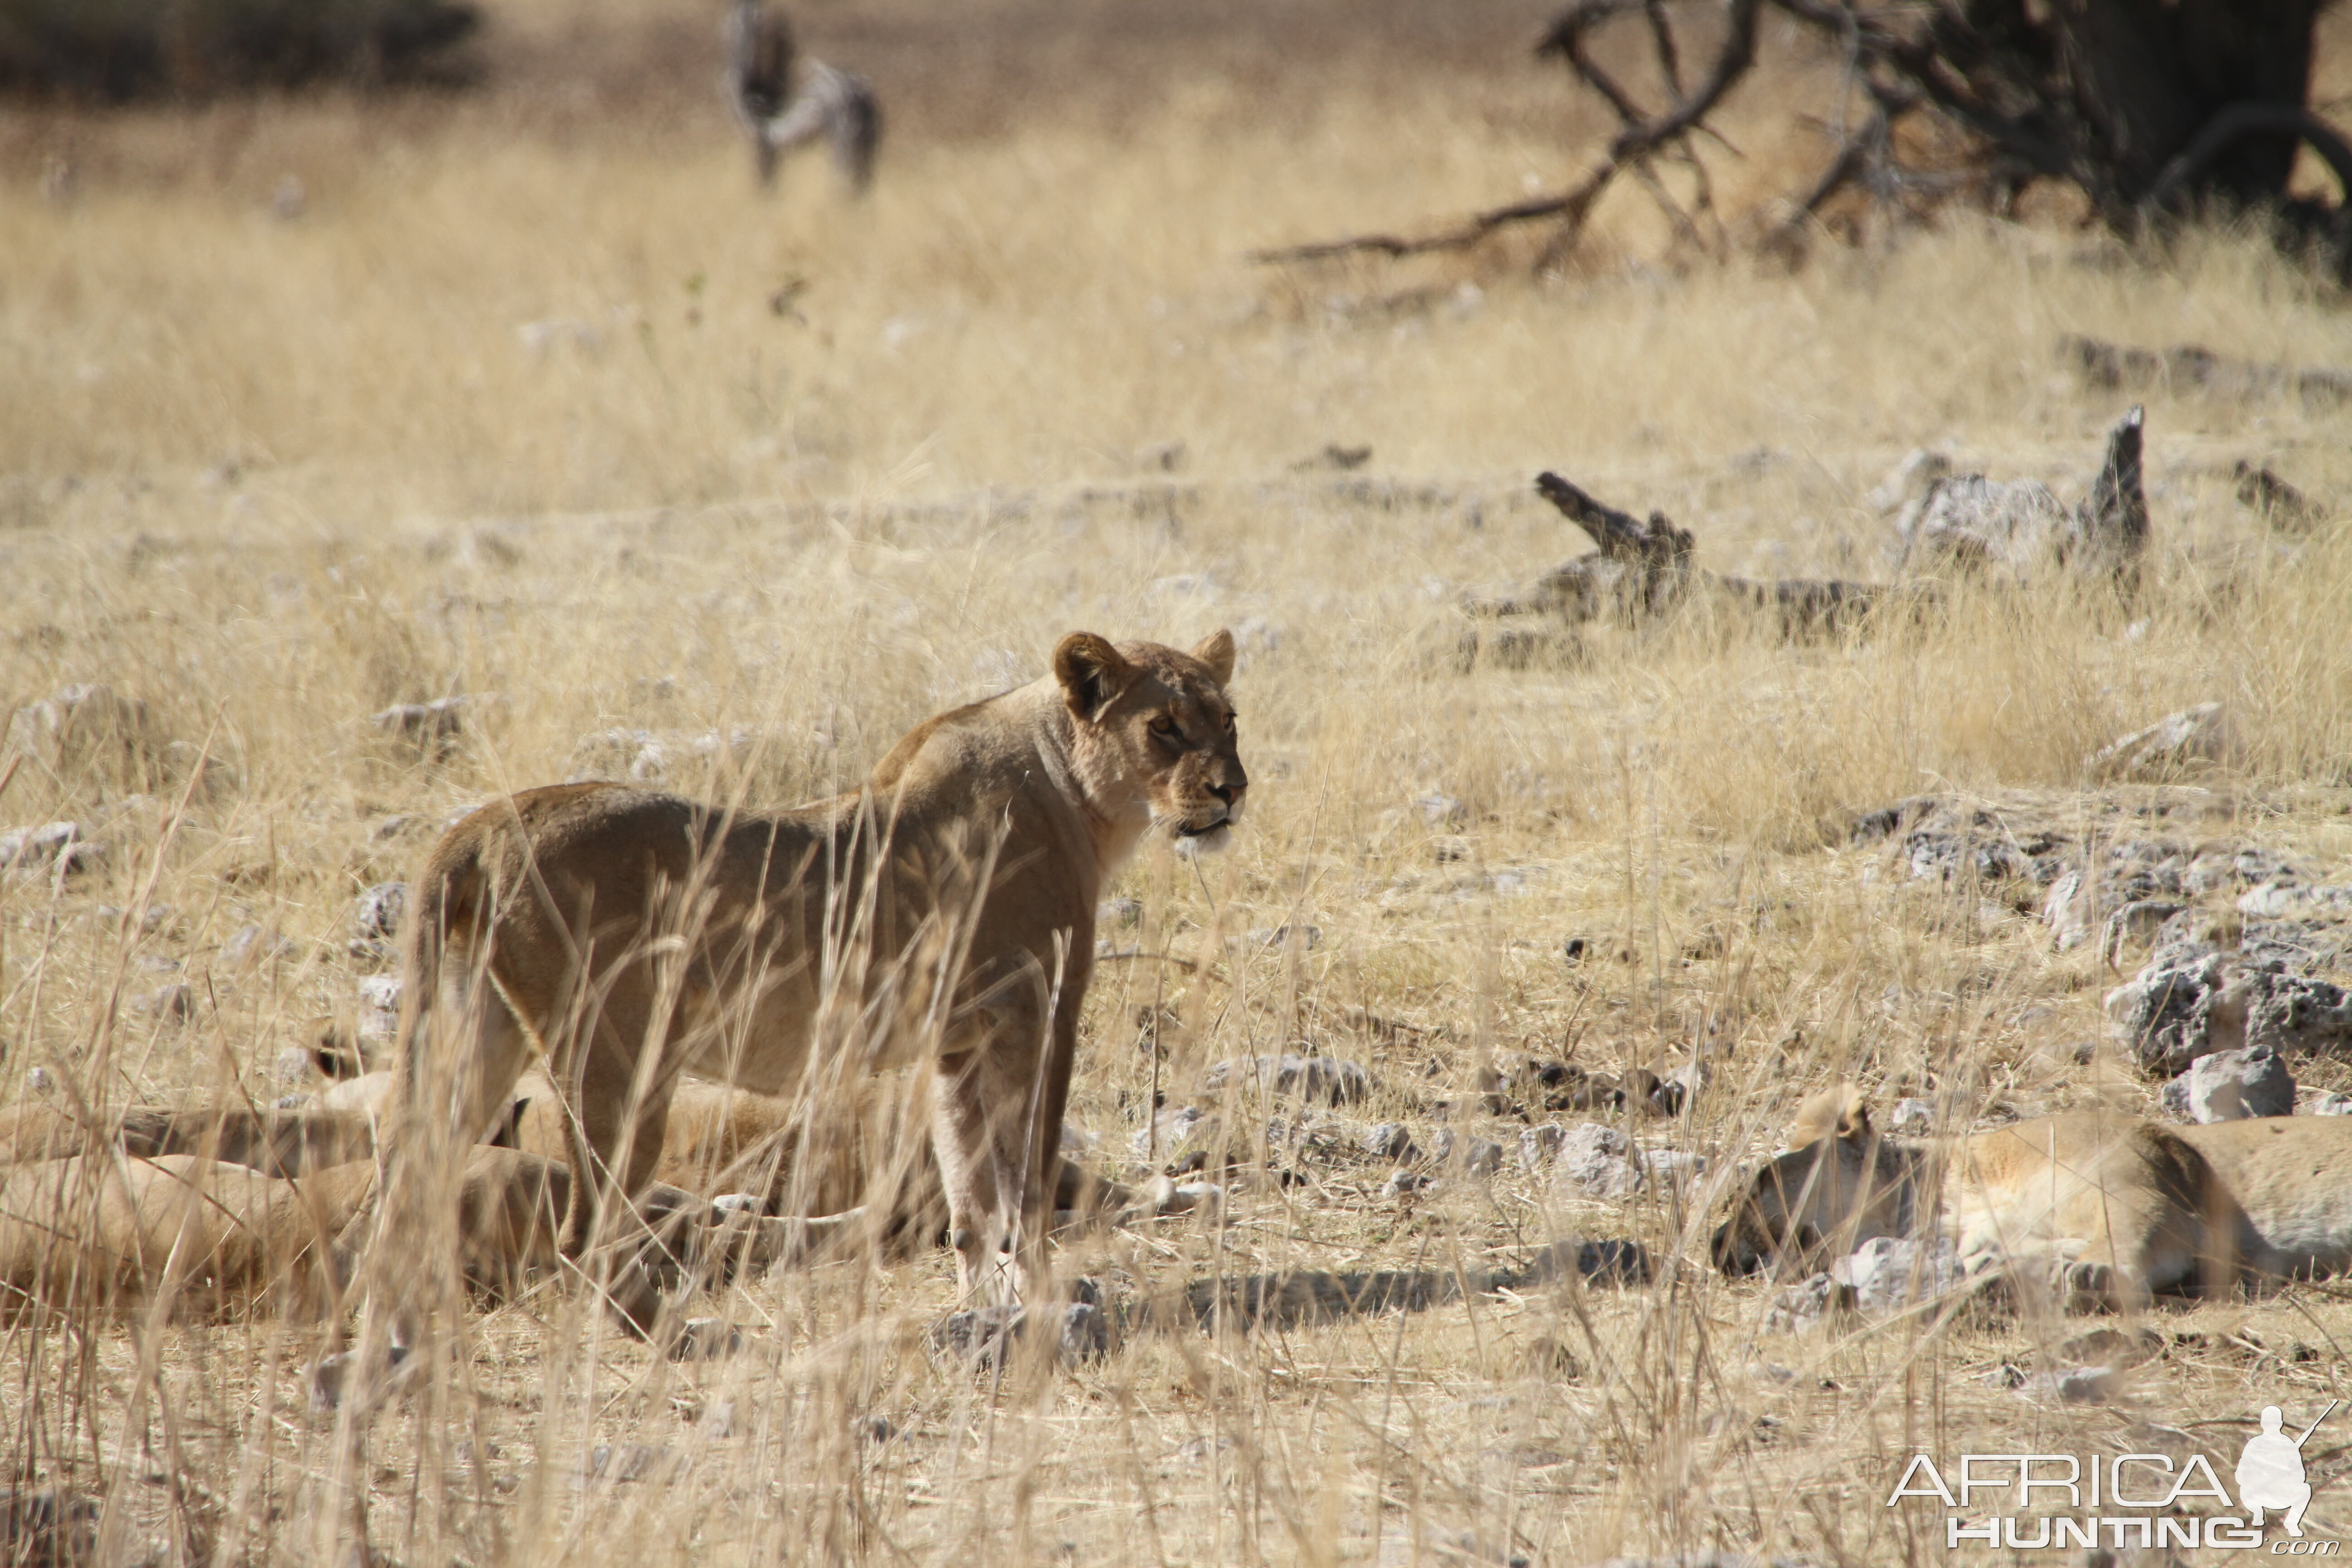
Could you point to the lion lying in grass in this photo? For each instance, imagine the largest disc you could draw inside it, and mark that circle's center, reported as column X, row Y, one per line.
column 2108, row 1210
column 101, row 1233
column 246, row 1194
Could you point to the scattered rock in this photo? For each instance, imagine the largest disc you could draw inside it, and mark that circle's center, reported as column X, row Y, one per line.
column 1475, row 1156
column 1442, row 812
column 2109, row 1347
column 1908, row 481
column 250, row 946
column 2134, row 926
column 1957, row 841
column 2273, row 901
column 1172, row 1127
column 1539, row 1145
column 432, row 727
column 1597, row 1162
column 2018, row 528
column 2079, row 1385
column 1912, row 1118
column 40, row 1081
column 1119, row 912
column 1575, row 949
column 86, row 734
column 2217, row 871
column 706, row 1339
column 1546, row 1357
column 376, row 913
column 173, row 1003
column 1970, row 521
column 1798, row 1308
column 1675, row 1168
column 1303, row 938
column 656, row 756
column 2231, row 1086
column 1408, row 1182
column 54, row 850
column 617, row 1463
column 982, row 1336
column 2192, row 738
column 1182, row 1197
column 1320, row 1080
column 1679, row 1089
column 717, row 1420
column 2333, row 1103
column 1389, row 1140
column 1886, row 1274
column 2193, row 1000
column 379, row 1008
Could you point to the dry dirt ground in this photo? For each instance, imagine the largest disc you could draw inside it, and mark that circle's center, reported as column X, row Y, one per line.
column 317, row 407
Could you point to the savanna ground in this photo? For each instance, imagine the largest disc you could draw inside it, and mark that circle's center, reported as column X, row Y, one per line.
column 317, row 405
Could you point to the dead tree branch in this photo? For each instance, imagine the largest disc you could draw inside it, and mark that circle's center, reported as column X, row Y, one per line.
column 2144, row 108
column 1642, row 575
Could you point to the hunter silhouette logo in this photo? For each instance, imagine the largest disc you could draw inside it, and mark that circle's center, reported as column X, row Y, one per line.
column 2269, row 1472
column 2147, row 1500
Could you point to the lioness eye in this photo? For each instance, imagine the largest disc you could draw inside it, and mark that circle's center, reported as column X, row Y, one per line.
column 1165, row 728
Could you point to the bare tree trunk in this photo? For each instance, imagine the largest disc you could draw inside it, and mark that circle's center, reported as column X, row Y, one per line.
column 2150, row 76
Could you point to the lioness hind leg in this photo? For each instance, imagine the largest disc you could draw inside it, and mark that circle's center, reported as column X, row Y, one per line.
column 614, row 1127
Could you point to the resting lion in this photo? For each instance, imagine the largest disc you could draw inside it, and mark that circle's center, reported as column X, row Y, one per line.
column 98, row 1233
column 944, row 911
column 276, row 1143
column 752, row 1149
column 2111, row 1209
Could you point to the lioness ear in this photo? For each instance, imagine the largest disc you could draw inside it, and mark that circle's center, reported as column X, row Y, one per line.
column 1840, row 1112
column 1216, row 651
column 1091, row 672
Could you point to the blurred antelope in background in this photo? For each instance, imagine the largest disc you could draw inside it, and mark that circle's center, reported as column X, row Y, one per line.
column 785, row 101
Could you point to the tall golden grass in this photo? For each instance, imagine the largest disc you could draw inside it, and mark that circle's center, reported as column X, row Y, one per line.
column 547, row 406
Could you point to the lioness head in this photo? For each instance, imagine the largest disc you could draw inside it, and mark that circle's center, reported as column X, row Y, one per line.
column 1837, row 1185
column 1155, row 730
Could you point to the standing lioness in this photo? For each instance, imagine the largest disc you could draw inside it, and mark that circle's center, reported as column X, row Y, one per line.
column 946, row 906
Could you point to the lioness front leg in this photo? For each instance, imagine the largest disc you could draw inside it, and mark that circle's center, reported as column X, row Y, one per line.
column 982, row 1108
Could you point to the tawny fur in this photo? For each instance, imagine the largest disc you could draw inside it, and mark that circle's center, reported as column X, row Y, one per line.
column 278, row 1142
column 107, row 1233
column 2111, row 1209
column 625, row 937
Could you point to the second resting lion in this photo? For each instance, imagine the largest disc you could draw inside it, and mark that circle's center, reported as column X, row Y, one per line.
column 2103, row 1209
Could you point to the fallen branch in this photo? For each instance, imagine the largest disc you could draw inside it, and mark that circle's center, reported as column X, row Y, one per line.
column 2115, row 367
column 1641, row 571
column 1569, row 206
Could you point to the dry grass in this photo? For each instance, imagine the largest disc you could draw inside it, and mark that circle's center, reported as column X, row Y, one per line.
column 271, row 476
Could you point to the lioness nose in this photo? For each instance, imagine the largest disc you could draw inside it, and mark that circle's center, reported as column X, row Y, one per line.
column 1229, row 793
